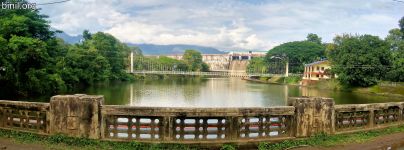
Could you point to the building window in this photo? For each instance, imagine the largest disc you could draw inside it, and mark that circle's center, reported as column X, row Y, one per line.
column 318, row 68
column 322, row 68
column 317, row 76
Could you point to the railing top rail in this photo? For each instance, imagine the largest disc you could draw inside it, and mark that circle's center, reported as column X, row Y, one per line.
column 178, row 111
column 10, row 102
column 25, row 105
column 366, row 107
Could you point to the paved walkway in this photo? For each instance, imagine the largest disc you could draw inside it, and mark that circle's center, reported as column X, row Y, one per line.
column 9, row 144
column 386, row 142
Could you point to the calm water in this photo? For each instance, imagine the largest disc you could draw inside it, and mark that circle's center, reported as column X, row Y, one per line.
column 216, row 92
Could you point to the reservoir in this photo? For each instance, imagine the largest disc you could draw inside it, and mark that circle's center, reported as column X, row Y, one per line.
column 217, row 92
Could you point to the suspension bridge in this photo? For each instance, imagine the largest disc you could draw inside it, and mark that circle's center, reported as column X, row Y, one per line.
column 220, row 65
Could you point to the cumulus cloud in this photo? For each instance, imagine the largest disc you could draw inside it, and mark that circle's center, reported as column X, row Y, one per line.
column 224, row 24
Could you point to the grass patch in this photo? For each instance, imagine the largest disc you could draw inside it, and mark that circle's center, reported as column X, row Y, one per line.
column 292, row 80
column 64, row 142
column 324, row 140
column 331, row 84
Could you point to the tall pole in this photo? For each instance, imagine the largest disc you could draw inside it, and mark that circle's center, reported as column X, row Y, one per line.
column 131, row 62
column 287, row 69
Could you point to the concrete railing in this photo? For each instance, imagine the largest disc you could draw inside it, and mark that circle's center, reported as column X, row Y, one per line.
column 358, row 117
column 24, row 116
column 196, row 124
column 86, row 116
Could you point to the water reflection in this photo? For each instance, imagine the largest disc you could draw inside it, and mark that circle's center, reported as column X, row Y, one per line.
column 216, row 92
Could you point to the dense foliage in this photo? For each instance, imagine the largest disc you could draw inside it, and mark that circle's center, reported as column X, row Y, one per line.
column 359, row 60
column 33, row 61
column 257, row 65
column 363, row 60
column 296, row 53
column 193, row 59
column 396, row 42
column 311, row 37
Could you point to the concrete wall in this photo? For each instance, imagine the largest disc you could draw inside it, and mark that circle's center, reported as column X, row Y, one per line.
column 86, row 116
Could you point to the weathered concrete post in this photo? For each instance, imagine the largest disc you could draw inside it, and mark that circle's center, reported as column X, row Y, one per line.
column 313, row 115
column 76, row 115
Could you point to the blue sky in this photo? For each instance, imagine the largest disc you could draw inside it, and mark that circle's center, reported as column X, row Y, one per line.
column 224, row 24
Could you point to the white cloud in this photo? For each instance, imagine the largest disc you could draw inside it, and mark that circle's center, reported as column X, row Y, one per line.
column 224, row 24
column 236, row 37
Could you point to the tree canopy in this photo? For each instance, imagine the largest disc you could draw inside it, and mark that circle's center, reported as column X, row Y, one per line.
column 401, row 25
column 194, row 61
column 396, row 42
column 359, row 60
column 296, row 53
column 33, row 61
column 311, row 37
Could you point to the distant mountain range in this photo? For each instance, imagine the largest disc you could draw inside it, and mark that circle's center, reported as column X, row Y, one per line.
column 68, row 38
column 152, row 49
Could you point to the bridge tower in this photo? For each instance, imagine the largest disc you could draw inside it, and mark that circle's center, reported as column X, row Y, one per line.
column 131, row 62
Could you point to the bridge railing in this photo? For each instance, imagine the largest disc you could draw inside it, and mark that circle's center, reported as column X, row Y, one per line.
column 357, row 117
column 24, row 116
column 218, row 73
column 196, row 124
column 86, row 116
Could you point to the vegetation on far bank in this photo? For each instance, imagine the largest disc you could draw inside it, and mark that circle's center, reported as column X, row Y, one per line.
column 358, row 60
column 34, row 62
column 291, row 80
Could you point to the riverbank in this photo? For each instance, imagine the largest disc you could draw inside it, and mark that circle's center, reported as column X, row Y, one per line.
column 387, row 90
column 275, row 80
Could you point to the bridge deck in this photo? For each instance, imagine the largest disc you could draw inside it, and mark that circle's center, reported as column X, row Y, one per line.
column 222, row 73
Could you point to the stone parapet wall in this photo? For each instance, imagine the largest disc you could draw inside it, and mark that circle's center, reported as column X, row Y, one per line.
column 86, row 116
column 358, row 117
column 196, row 124
column 24, row 116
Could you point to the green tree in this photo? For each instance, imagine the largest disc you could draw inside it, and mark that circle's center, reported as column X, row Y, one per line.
column 311, row 37
column 395, row 39
column 27, row 54
column 360, row 60
column 34, row 62
column 193, row 59
column 401, row 25
column 257, row 65
column 297, row 53
column 113, row 50
column 83, row 66
column 396, row 43
column 87, row 35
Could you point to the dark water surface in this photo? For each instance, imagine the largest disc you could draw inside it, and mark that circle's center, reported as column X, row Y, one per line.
column 217, row 92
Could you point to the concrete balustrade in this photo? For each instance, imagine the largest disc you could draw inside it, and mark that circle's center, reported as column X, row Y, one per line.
column 86, row 116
